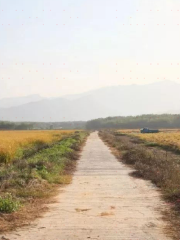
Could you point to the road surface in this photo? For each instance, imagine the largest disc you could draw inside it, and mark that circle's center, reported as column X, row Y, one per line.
column 102, row 202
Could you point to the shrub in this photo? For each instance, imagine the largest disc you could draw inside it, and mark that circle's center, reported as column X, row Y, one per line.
column 8, row 204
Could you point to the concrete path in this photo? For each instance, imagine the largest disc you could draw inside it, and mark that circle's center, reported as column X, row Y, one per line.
column 103, row 202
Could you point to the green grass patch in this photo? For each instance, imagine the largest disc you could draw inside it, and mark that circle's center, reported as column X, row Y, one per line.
column 8, row 204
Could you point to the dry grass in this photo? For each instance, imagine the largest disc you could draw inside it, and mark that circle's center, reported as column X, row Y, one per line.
column 105, row 214
column 82, row 209
column 113, row 207
column 12, row 142
column 160, row 166
column 166, row 139
column 32, row 210
column 171, row 140
column 128, row 131
column 175, row 130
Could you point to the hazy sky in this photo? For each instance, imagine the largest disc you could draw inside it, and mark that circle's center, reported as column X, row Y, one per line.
column 58, row 47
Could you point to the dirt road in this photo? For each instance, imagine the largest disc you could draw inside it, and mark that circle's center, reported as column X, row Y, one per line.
column 103, row 202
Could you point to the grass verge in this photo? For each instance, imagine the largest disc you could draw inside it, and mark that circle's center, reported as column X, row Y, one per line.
column 27, row 183
column 150, row 163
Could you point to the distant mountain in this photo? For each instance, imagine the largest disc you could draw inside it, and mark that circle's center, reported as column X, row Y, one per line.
column 123, row 100
column 76, row 96
column 57, row 109
column 16, row 101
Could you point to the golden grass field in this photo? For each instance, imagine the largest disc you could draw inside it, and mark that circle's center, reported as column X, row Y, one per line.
column 12, row 141
column 168, row 137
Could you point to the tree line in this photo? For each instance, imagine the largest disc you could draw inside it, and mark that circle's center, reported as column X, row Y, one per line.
column 5, row 125
column 136, row 122
column 15, row 126
column 129, row 122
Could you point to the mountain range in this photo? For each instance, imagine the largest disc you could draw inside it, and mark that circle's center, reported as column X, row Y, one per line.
column 121, row 100
column 16, row 101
